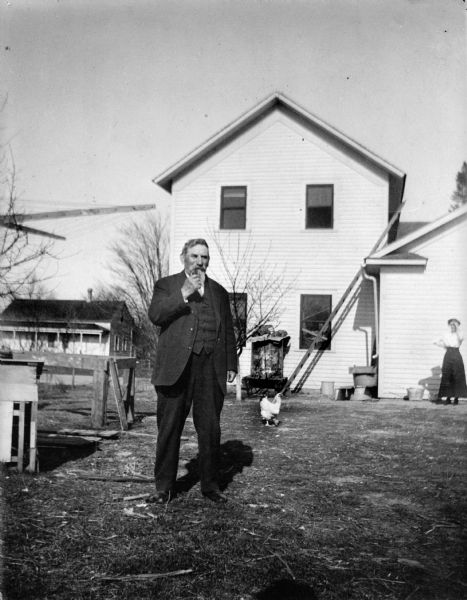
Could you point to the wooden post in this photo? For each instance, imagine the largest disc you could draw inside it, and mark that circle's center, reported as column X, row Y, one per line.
column 101, row 388
column 238, row 384
column 21, row 423
column 32, row 465
column 129, row 387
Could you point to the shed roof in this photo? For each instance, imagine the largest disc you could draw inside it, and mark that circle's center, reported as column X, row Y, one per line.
column 406, row 227
column 61, row 310
column 235, row 128
column 430, row 229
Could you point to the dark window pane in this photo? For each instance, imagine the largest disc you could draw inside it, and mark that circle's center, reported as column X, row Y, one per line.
column 233, row 219
column 238, row 308
column 233, row 208
column 319, row 206
column 314, row 310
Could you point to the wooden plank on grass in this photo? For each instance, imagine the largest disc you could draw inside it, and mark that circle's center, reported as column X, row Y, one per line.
column 54, row 439
column 117, row 478
column 110, row 434
column 101, row 434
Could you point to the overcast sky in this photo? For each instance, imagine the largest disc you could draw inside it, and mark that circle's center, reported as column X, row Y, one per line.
column 103, row 95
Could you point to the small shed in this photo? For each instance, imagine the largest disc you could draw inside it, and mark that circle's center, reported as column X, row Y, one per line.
column 422, row 284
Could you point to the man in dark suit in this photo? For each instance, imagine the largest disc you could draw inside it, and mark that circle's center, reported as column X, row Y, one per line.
column 195, row 357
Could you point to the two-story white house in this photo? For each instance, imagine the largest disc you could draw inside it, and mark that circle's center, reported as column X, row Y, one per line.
column 282, row 189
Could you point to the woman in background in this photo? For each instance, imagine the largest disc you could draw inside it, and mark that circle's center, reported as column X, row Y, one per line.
column 453, row 383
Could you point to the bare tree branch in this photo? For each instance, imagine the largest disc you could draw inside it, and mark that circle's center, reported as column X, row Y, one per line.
column 140, row 258
column 264, row 283
column 20, row 255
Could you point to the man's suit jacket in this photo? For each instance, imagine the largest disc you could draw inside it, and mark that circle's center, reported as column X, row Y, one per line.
column 178, row 326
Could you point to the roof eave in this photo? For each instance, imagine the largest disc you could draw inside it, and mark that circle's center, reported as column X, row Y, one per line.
column 166, row 178
column 399, row 262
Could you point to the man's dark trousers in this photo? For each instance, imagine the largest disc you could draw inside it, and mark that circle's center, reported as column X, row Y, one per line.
column 198, row 386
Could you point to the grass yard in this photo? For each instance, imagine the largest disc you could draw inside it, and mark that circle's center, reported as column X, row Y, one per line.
column 344, row 500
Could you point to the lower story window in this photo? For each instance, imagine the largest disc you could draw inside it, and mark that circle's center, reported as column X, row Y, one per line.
column 314, row 311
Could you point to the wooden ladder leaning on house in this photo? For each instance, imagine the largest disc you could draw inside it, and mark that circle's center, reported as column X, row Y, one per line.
column 345, row 296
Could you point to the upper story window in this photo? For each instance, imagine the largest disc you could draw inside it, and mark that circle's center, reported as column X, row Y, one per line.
column 319, row 206
column 233, row 207
column 314, row 312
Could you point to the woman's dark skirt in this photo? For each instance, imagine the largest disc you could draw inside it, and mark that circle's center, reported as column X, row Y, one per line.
column 453, row 383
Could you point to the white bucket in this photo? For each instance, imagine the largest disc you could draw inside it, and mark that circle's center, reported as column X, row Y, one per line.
column 327, row 388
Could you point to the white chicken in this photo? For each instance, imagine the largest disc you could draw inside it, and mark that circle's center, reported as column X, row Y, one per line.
column 270, row 409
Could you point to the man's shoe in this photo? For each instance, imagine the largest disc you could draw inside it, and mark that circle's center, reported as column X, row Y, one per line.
column 160, row 498
column 448, row 401
column 456, row 401
column 215, row 496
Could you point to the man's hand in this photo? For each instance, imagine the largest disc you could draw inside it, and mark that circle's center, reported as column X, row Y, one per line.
column 192, row 283
column 231, row 376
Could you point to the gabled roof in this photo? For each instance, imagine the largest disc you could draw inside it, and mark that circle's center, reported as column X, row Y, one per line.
column 65, row 311
column 227, row 134
column 448, row 220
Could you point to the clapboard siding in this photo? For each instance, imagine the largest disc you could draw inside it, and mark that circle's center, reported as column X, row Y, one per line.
column 415, row 305
column 276, row 160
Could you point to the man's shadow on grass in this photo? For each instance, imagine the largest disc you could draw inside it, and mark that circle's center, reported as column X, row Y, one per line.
column 52, row 457
column 286, row 589
column 234, row 456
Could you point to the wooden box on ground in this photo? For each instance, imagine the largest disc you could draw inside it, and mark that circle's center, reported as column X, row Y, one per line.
column 18, row 412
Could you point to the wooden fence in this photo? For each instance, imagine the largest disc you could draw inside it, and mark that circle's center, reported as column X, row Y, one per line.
column 119, row 370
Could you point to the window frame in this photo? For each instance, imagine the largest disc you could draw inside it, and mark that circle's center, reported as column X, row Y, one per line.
column 304, row 343
column 224, row 209
column 308, row 222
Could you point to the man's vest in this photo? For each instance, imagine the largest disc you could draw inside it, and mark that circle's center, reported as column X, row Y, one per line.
column 206, row 333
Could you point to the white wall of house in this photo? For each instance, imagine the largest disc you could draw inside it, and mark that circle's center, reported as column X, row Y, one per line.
column 415, row 306
column 276, row 159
